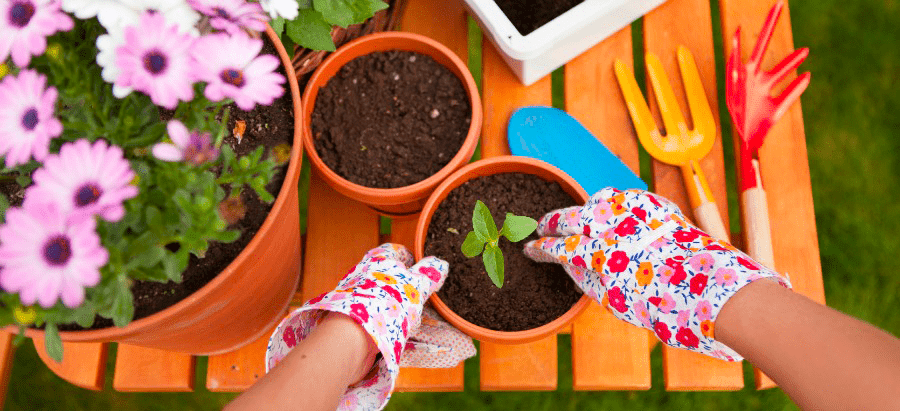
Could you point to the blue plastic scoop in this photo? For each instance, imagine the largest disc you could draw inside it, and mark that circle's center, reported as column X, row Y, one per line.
column 552, row 135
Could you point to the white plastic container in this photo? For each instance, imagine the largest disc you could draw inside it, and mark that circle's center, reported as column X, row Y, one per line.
column 534, row 56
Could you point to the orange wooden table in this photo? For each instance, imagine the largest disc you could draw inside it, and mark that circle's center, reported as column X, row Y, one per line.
column 607, row 354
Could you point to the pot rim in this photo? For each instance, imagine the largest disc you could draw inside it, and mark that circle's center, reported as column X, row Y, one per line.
column 388, row 196
column 497, row 165
column 291, row 176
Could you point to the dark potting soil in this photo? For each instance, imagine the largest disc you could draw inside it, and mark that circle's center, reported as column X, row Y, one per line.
column 270, row 126
column 533, row 294
column 390, row 119
column 528, row 15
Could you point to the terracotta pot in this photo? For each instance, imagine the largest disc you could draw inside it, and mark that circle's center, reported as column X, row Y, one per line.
column 245, row 300
column 499, row 165
column 401, row 201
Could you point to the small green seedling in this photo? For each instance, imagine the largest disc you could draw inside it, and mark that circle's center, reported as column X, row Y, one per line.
column 485, row 237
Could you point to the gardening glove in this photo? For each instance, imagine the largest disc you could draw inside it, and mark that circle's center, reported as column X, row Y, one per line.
column 636, row 253
column 386, row 298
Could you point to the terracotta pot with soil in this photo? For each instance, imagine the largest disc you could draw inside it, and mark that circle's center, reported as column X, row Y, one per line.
column 537, row 299
column 388, row 117
column 239, row 291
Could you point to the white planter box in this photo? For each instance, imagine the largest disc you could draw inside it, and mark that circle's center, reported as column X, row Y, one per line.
column 534, row 56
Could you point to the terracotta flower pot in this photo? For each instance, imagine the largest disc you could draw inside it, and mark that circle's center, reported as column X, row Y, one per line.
column 400, row 201
column 246, row 299
column 481, row 168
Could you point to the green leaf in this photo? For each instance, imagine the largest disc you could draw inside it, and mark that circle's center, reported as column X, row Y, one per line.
column 277, row 25
column 85, row 314
column 123, row 304
column 346, row 12
column 516, row 227
column 472, row 245
column 4, row 204
column 483, row 223
column 493, row 263
column 310, row 30
column 52, row 342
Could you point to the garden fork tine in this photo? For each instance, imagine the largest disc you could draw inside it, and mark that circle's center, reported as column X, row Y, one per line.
column 680, row 146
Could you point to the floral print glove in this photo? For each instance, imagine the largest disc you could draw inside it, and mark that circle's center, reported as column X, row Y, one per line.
column 386, row 298
column 636, row 253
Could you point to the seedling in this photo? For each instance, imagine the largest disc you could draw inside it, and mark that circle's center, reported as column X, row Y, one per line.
column 486, row 238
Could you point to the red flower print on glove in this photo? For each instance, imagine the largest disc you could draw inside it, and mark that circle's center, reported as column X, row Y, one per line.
column 393, row 292
column 431, row 273
column 644, row 261
column 289, row 338
column 617, row 299
column 398, row 349
column 359, row 313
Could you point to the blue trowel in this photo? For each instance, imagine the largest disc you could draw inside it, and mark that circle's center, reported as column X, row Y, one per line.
column 552, row 135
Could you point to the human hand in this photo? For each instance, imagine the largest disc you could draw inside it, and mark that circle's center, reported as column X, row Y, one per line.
column 386, row 299
column 636, row 253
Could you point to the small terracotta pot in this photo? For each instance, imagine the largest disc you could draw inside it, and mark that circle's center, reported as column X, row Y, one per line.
column 481, row 168
column 246, row 299
column 400, row 201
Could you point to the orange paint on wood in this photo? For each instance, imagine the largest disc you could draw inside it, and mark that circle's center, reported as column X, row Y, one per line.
column 140, row 369
column 339, row 232
column 687, row 22
column 526, row 367
column 238, row 370
column 783, row 160
column 83, row 365
column 444, row 21
column 607, row 353
column 7, row 350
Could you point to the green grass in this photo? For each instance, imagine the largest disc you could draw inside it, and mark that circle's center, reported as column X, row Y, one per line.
column 850, row 113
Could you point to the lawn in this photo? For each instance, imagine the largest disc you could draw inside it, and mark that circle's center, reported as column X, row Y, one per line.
column 850, row 113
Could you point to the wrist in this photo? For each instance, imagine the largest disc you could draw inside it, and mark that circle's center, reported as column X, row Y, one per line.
column 358, row 347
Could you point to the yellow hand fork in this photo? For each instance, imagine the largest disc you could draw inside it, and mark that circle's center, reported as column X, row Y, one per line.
column 680, row 146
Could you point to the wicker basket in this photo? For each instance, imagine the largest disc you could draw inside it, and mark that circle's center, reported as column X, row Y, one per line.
column 306, row 60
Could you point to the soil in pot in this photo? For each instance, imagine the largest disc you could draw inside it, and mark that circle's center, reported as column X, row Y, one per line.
column 269, row 126
column 390, row 119
column 533, row 294
column 528, row 15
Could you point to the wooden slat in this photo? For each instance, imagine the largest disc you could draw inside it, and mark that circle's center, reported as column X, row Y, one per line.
column 238, row 370
column 441, row 20
column 687, row 22
column 511, row 367
column 339, row 232
column 83, row 365
column 607, row 353
column 7, row 351
column 422, row 379
column 784, row 167
column 141, row 369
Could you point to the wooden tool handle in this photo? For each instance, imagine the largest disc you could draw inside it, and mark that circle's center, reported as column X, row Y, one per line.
column 707, row 215
column 759, row 232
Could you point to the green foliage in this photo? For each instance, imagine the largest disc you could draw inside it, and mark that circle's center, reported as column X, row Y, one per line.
column 312, row 26
column 485, row 238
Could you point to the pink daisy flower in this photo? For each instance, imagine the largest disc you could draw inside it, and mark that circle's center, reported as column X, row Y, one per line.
column 26, row 117
column 155, row 59
column 85, row 180
column 25, row 25
column 233, row 68
column 193, row 147
column 45, row 257
column 232, row 15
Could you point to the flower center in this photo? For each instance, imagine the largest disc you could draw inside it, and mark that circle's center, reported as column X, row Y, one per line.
column 220, row 12
column 20, row 13
column 58, row 250
column 87, row 195
column 233, row 77
column 155, row 61
column 30, row 119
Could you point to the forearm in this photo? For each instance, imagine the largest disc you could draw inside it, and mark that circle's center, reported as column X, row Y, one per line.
column 823, row 359
column 315, row 374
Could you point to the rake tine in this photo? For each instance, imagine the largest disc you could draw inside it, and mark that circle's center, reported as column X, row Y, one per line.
column 701, row 114
column 790, row 95
column 673, row 120
column 762, row 43
column 644, row 124
column 789, row 64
